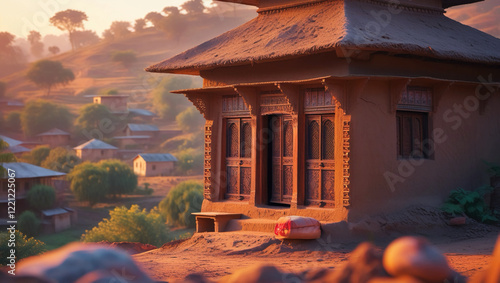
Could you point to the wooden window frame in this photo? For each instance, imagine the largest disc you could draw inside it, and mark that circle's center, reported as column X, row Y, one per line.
column 413, row 138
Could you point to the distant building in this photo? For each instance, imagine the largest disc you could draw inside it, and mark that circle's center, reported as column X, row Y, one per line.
column 27, row 176
column 7, row 106
column 154, row 164
column 56, row 219
column 142, row 130
column 142, row 113
column 54, row 137
column 131, row 141
column 16, row 147
column 115, row 103
column 95, row 150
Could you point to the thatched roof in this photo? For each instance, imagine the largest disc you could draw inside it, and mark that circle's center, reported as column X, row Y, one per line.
column 335, row 25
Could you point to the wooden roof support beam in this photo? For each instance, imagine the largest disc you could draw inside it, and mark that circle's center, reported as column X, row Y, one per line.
column 292, row 93
column 396, row 88
column 251, row 97
column 338, row 89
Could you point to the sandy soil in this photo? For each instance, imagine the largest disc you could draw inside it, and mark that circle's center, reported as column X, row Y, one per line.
column 216, row 255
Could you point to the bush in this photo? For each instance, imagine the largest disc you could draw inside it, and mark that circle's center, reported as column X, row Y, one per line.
column 41, row 197
column 190, row 120
column 145, row 190
column 60, row 159
column 190, row 162
column 37, row 155
column 39, row 116
column 89, row 183
column 470, row 203
column 121, row 178
column 13, row 121
column 126, row 57
column 25, row 247
column 180, row 202
column 132, row 225
column 28, row 223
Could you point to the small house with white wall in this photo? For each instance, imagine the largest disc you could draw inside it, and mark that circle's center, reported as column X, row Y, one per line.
column 154, row 164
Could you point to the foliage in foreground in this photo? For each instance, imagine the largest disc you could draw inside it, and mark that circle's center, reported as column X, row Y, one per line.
column 132, row 225
column 180, row 202
column 28, row 223
column 41, row 197
column 470, row 203
column 25, row 247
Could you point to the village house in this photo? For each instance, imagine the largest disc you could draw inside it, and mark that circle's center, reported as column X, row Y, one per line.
column 154, row 164
column 116, row 103
column 7, row 106
column 57, row 219
column 54, row 137
column 142, row 130
column 339, row 109
column 27, row 176
column 95, row 150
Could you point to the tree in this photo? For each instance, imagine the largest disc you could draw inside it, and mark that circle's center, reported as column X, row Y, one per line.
column 5, row 156
column 61, row 159
column 37, row 155
column 92, row 115
column 6, row 40
column 139, row 25
column 190, row 161
column 41, row 197
column 39, row 116
column 180, row 202
column 54, row 50
column 35, row 38
column 46, row 74
column 120, row 29
column 84, row 38
column 3, row 88
column 69, row 20
column 190, row 120
column 89, row 182
column 125, row 57
column 25, row 247
column 131, row 225
column 154, row 18
column 13, row 121
column 121, row 178
column 167, row 104
column 28, row 223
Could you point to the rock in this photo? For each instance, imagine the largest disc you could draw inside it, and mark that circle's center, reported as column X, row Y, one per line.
column 457, row 221
column 75, row 261
column 414, row 256
column 256, row 274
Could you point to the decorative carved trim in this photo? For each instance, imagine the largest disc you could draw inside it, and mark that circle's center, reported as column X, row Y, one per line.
column 416, row 99
column 208, row 188
column 234, row 104
column 251, row 98
column 275, row 104
column 200, row 102
column 210, row 83
column 346, row 148
column 397, row 87
column 337, row 88
column 292, row 94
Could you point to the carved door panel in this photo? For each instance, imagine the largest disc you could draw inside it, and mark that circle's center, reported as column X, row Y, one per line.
column 238, row 158
column 320, row 162
column 281, row 157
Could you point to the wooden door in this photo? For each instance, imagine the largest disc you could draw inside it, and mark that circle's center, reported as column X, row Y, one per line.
column 281, row 159
column 320, row 163
column 238, row 159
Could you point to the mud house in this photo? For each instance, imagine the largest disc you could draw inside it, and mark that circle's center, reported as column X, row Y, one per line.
column 56, row 219
column 54, row 137
column 142, row 130
column 115, row 103
column 27, row 176
column 154, row 164
column 95, row 150
column 338, row 109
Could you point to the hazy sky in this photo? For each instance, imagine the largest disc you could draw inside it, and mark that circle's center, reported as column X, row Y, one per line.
column 20, row 16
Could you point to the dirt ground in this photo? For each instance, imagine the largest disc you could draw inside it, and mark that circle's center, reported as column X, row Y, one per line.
column 216, row 255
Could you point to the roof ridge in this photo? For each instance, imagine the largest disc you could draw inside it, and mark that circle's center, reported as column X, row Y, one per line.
column 280, row 8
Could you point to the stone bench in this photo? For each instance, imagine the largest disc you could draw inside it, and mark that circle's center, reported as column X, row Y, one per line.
column 213, row 221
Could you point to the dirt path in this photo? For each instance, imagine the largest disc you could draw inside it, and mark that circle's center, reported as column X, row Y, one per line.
column 217, row 255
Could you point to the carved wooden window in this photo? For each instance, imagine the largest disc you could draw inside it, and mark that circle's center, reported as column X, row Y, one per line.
column 412, row 134
column 412, row 122
column 238, row 158
column 320, row 163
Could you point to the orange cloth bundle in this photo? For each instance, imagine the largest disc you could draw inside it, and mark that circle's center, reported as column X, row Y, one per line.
column 297, row 227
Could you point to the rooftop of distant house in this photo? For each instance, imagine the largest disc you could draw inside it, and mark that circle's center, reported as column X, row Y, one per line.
column 157, row 157
column 26, row 170
column 95, row 144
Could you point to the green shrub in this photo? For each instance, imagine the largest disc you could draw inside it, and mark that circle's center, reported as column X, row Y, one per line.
column 61, row 159
column 190, row 162
column 121, row 178
column 493, row 169
column 470, row 203
column 132, row 225
column 28, row 223
column 89, row 183
column 25, row 247
column 37, row 155
column 145, row 190
column 125, row 57
column 13, row 121
column 41, row 197
column 180, row 202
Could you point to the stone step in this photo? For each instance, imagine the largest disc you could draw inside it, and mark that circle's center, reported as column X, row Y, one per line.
column 254, row 224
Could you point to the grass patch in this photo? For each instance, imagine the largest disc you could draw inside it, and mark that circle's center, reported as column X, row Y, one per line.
column 57, row 240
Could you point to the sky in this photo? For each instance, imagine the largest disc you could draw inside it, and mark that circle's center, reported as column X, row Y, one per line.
column 21, row 16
